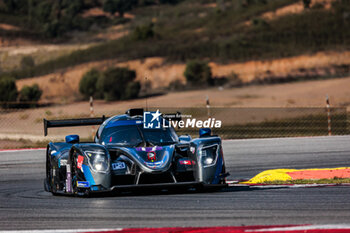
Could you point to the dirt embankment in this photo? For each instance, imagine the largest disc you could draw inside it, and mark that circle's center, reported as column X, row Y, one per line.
column 63, row 85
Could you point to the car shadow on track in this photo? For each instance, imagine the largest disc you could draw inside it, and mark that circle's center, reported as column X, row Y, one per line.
column 150, row 192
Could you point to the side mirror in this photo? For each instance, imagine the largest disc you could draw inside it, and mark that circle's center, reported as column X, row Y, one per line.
column 72, row 138
column 185, row 138
column 204, row 132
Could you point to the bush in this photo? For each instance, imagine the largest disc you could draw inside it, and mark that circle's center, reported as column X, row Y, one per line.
column 173, row 2
column 30, row 93
column 87, row 85
column 118, row 84
column 8, row 89
column 120, row 6
column 176, row 85
column 198, row 73
column 306, row 4
column 27, row 62
column 132, row 90
column 144, row 32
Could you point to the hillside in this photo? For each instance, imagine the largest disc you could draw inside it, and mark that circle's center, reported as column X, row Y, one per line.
column 255, row 41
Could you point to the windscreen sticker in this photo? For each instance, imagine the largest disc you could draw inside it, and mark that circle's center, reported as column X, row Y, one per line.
column 80, row 161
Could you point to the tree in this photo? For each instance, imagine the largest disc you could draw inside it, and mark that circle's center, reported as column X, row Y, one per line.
column 120, row 6
column 307, row 4
column 198, row 73
column 116, row 84
column 8, row 89
column 27, row 62
column 14, row 6
column 30, row 93
column 173, row 2
column 132, row 90
column 88, row 83
column 144, row 32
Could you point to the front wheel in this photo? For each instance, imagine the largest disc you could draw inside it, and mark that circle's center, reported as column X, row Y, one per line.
column 76, row 176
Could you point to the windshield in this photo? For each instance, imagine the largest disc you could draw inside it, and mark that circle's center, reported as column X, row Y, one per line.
column 127, row 135
column 162, row 136
column 136, row 135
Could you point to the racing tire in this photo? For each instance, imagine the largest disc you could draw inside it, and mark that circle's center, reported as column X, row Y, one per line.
column 49, row 182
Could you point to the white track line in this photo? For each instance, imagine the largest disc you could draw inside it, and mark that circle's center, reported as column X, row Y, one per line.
column 304, row 228
column 62, row 231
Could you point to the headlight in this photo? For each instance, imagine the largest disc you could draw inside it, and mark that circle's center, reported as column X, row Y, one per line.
column 98, row 161
column 208, row 155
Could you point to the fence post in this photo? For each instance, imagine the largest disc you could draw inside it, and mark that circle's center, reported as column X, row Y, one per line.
column 92, row 115
column 208, row 106
column 329, row 116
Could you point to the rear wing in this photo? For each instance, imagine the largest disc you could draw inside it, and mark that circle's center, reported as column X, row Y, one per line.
column 72, row 122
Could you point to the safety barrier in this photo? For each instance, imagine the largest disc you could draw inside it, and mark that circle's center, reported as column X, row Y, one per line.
column 23, row 126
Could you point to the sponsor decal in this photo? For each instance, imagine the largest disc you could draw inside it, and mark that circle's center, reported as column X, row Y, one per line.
column 158, row 164
column 118, row 166
column 83, row 184
column 62, row 162
column 80, row 161
column 152, row 120
column 151, row 156
column 69, row 180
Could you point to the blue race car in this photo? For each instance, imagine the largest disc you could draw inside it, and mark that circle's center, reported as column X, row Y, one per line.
column 126, row 155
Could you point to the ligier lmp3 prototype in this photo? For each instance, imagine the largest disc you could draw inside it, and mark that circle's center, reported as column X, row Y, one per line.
column 126, row 155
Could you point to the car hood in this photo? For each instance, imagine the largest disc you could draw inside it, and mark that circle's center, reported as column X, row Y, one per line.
column 152, row 159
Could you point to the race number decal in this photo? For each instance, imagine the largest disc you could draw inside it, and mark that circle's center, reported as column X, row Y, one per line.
column 118, row 166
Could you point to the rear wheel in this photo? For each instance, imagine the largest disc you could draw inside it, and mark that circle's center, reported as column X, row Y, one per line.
column 48, row 180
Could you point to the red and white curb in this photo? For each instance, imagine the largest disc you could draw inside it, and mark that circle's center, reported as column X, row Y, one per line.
column 338, row 228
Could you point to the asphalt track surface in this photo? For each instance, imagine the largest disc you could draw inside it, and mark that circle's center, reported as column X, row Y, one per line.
column 24, row 205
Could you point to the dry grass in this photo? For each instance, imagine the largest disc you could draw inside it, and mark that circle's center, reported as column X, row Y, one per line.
column 9, row 27
column 10, row 56
column 63, row 86
column 295, row 8
column 27, row 124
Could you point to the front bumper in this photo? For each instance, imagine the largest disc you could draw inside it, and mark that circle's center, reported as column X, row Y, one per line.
column 158, row 186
